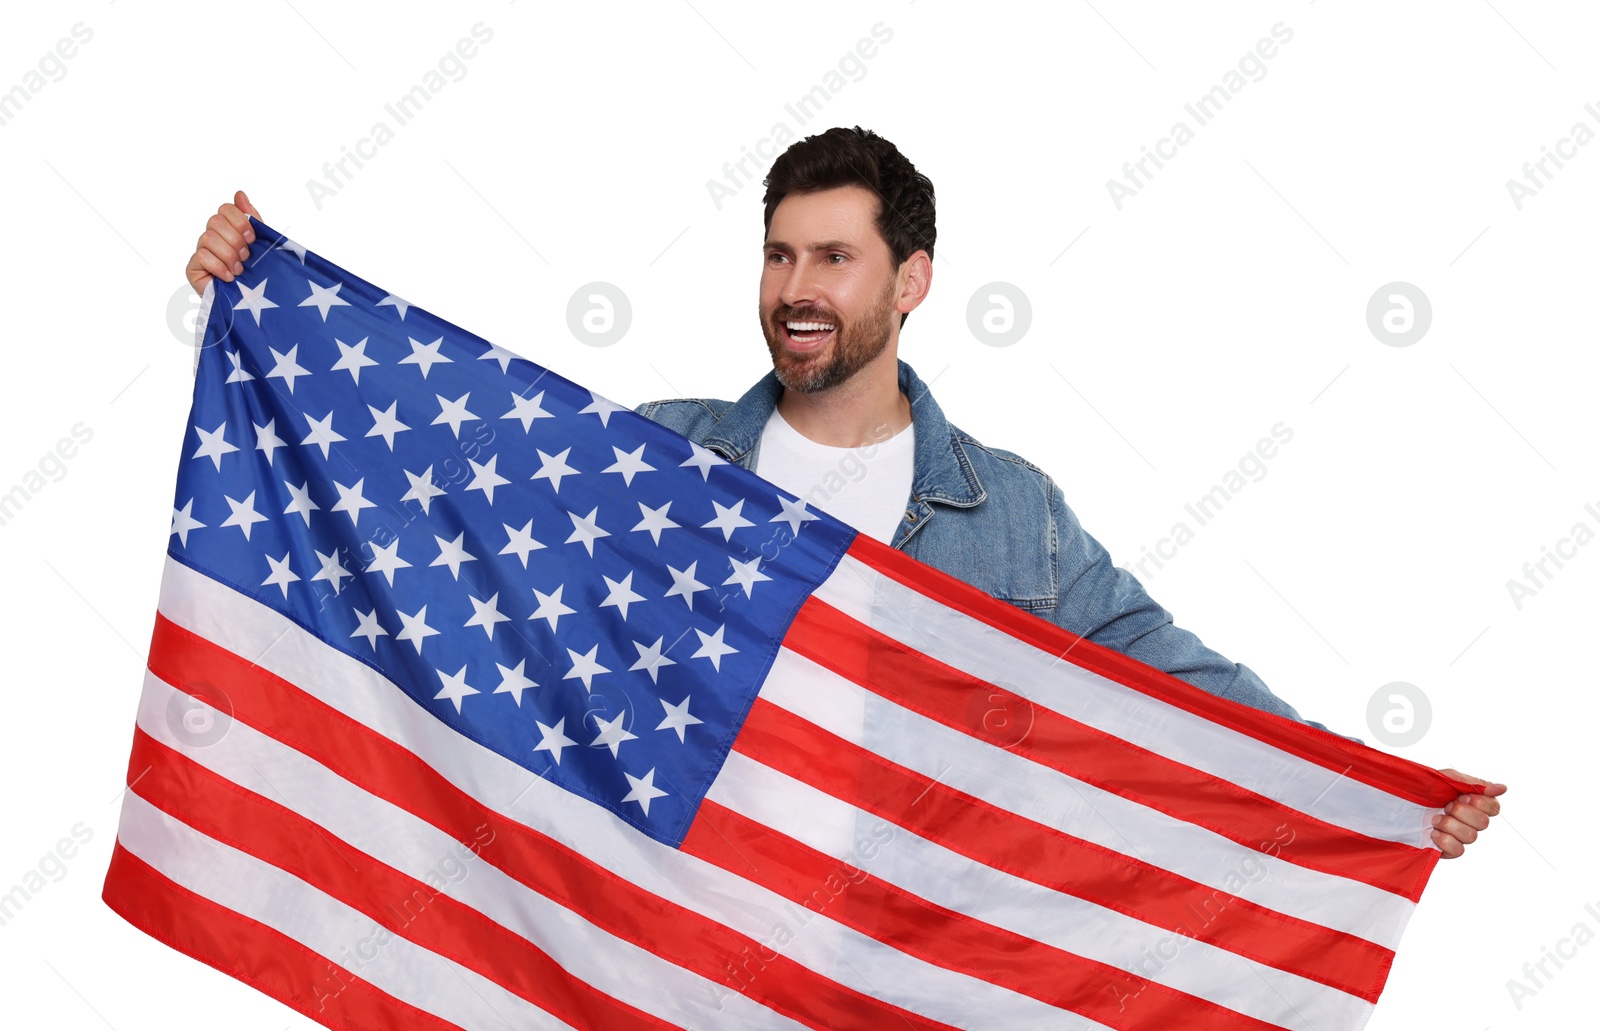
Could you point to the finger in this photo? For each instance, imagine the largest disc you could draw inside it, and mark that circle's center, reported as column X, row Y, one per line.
column 229, row 251
column 226, row 225
column 1455, row 829
column 1483, row 803
column 1489, row 787
column 1449, row 847
column 206, row 264
column 1468, row 813
column 243, row 202
column 239, row 221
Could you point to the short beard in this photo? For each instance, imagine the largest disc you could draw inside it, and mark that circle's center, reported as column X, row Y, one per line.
column 855, row 345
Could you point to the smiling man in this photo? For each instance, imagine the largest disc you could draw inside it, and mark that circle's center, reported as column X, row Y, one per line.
column 847, row 257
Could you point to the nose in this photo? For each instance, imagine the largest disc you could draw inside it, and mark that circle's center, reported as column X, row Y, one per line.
column 799, row 286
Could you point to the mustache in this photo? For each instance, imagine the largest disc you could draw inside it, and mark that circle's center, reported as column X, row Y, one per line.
column 785, row 314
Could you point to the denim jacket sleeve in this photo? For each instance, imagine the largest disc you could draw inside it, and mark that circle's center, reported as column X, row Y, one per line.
column 1107, row 605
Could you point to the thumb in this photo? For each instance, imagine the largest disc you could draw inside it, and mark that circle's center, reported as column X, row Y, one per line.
column 243, row 203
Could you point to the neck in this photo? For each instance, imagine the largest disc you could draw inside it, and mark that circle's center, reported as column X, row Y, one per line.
column 866, row 408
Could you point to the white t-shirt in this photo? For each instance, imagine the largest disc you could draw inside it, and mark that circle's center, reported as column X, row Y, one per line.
column 865, row 486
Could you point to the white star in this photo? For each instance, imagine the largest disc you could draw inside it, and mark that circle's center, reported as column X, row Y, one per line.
column 499, row 354
column 612, row 734
column 400, row 304
column 254, row 300
column 213, row 445
column 455, row 687
column 552, row 739
column 267, row 439
column 655, row 520
column 486, row 614
column 453, row 413
column 281, row 576
column 484, row 478
column 351, row 500
column 452, row 554
column 703, row 460
column 386, row 424
column 387, row 560
column 586, row 530
column 712, row 647
column 352, row 358
column 302, row 505
column 287, row 369
column 415, row 628
column 422, row 489
column 650, row 659
column 794, row 513
column 628, row 463
column 745, row 574
column 643, row 789
column 521, row 540
column 584, row 667
column 298, row 250
column 553, row 468
column 728, row 519
column 332, row 570
column 527, row 409
column 551, row 608
column 513, row 682
column 424, row 355
column 322, row 432
column 678, row 717
column 183, row 521
column 237, row 375
column 601, row 407
column 684, row 584
column 621, row 594
column 370, row 628
column 324, row 297
column 244, row 514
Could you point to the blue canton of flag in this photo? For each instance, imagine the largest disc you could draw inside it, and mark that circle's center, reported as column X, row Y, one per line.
column 583, row 591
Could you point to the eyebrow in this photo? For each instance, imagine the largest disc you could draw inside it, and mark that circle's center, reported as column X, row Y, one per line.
column 825, row 245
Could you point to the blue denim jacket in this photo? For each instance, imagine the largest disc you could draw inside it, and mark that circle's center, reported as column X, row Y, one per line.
column 990, row 518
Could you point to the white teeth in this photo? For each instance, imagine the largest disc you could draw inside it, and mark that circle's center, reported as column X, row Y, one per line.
column 809, row 327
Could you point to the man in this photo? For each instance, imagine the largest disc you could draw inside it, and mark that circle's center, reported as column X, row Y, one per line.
column 847, row 257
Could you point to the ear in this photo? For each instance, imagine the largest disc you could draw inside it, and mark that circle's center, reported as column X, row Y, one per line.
column 916, row 278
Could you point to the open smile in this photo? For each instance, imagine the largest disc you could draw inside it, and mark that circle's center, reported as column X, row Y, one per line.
column 804, row 336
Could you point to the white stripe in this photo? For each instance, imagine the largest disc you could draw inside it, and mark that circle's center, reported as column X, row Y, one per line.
column 976, row 648
column 251, row 630
column 323, row 924
column 1017, row 785
column 930, row 871
column 265, row 766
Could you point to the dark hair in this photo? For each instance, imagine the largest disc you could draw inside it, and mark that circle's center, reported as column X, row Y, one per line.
column 860, row 157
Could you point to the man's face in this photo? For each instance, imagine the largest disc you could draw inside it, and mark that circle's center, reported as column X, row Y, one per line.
column 828, row 288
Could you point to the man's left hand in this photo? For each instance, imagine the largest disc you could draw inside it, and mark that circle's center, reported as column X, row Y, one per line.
column 1459, row 824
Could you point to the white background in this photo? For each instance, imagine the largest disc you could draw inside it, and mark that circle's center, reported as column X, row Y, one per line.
column 1228, row 295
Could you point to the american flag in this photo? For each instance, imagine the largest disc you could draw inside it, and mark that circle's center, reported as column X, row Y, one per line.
column 476, row 700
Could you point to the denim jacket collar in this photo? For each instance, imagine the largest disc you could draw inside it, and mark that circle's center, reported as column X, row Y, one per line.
column 941, row 471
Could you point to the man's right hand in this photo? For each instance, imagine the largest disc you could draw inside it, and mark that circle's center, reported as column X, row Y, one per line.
column 223, row 248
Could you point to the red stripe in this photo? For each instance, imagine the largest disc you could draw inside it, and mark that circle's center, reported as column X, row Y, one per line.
column 946, row 938
column 917, row 681
column 1392, row 774
column 221, row 809
column 383, row 768
column 789, row 744
column 247, row 950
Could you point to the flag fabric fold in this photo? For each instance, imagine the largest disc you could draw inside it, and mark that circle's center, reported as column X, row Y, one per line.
column 477, row 700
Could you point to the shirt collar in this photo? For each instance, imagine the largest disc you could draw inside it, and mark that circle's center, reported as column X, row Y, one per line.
column 941, row 471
